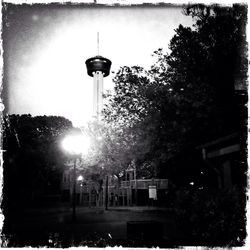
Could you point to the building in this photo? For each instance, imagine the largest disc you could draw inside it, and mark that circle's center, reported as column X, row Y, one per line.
column 127, row 192
column 224, row 161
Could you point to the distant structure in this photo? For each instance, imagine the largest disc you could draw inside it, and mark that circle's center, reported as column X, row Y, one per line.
column 98, row 67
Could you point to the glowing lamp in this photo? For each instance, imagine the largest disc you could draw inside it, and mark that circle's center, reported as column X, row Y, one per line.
column 76, row 144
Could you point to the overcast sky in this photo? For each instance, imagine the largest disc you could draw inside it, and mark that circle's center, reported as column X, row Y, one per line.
column 46, row 48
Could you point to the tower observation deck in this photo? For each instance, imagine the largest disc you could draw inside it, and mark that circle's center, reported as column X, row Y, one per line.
column 98, row 67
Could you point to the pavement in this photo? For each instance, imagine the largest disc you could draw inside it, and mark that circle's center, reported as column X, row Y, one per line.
column 65, row 207
column 137, row 208
column 54, row 224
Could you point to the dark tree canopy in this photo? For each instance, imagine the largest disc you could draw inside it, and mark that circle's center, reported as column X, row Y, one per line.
column 33, row 159
column 189, row 95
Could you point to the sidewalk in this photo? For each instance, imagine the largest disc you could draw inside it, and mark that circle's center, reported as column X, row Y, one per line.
column 137, row 208
column 64, row 208
column 117, row 223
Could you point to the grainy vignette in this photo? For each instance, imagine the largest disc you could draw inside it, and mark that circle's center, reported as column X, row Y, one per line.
column 122, row 2
column 1, row 110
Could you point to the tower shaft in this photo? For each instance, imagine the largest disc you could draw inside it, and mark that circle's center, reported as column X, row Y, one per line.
column 98, row 94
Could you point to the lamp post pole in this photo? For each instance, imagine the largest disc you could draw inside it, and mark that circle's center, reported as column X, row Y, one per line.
column 74, row 192
column 106, row 192
column 135, row 177
column 77, row 145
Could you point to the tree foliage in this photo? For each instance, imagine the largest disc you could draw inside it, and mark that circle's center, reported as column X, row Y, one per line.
column 33, row 159
column 211, row 219
column 188, row 95
column 112, row 149
column 128, row 105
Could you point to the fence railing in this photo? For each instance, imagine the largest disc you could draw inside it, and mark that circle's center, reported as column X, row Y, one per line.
column 144, row 184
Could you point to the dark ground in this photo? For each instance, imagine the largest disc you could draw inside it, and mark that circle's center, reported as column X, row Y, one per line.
column 125, row 226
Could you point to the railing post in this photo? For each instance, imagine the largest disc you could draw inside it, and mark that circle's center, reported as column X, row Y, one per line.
column 135, row 186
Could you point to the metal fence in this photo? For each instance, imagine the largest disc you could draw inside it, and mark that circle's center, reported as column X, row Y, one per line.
column 144, row 184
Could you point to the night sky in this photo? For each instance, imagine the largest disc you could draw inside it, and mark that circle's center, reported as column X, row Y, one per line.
column 46, row 46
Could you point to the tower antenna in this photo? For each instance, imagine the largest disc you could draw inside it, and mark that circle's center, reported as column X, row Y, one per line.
column 98, row 43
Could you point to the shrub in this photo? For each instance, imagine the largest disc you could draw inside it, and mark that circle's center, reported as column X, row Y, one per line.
column 212, row 218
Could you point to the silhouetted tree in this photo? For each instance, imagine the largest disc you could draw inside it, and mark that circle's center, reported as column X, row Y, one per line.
column 33, row 159
column 188, row 96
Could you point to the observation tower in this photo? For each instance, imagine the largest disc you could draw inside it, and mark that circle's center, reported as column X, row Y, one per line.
column 98, row 67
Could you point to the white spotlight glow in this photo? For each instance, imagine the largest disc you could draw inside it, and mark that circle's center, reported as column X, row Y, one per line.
column 76, row 144
column 80, row 178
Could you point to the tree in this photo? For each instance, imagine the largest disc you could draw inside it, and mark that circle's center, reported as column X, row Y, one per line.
column 112, row 150
column 33, row 160
column 213, row 55
column 188, row 95
column 128, row 105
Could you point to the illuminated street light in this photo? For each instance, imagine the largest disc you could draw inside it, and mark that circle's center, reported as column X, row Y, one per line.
column 80, row 178
column 77, row 145
column 99, row 138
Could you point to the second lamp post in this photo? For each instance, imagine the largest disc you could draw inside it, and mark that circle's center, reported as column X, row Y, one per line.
column 76, row 145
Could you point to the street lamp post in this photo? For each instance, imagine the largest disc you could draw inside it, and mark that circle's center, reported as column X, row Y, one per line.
column 76, row 145
column 106, row 192
column 80, row 180
column 74, row 192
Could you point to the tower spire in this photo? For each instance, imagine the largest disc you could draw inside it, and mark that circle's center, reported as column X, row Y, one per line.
column 98, row 52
